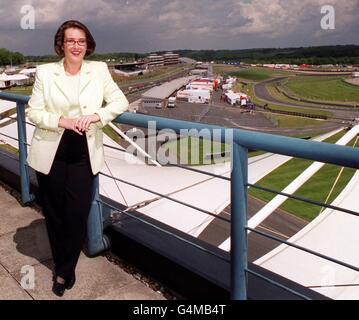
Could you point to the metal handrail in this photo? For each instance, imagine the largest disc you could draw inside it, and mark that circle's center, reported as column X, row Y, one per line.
column 258, row 275
column 320, row 255
column 292, row 196
column 166, row 197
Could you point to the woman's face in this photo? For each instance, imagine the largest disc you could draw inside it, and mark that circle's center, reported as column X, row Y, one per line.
column 75, row 45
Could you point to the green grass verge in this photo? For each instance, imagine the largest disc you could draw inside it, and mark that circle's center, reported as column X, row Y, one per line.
column 258, row 74
column 225, row 69
column 332, row 89
column 286, row 122
column 316, row 188
column 282, row 98
column 22, row 90
column 192, row 151
column 111, row 134
column 9, row 149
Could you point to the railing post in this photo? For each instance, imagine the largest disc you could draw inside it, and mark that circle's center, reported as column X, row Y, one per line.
column 239, row 177
column 26, row 197
column 96, row 242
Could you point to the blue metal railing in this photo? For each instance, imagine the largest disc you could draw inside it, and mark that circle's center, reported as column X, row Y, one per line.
column 242, row 141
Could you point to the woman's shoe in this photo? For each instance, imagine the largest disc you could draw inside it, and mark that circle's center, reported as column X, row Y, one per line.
column 58, row 288
column 70, row 283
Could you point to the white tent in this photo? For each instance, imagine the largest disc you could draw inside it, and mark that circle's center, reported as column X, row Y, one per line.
column 8, row 80
column 29, row 71
column 4, row 77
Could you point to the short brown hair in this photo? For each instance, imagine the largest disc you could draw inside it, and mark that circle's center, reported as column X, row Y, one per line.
column 60, row 35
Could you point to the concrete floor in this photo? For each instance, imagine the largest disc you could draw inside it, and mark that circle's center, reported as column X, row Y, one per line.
column 25, row 254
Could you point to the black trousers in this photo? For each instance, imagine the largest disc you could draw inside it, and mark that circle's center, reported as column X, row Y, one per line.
column 65, row 196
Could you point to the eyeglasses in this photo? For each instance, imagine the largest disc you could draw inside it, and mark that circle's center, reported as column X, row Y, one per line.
column 71, row 42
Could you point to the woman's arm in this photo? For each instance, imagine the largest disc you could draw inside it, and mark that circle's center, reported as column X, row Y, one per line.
column 37, row 112
column 116, row 101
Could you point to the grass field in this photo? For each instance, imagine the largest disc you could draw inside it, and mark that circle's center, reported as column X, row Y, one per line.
column 285, row 122
column 316, row 188
column 225, row 69
column 258, row 74
column 193, row 151
column 331, row 89
column 22, row 90
column 276, row 94
column 9, row 149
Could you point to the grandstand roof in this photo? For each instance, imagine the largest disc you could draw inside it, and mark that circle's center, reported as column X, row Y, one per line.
column 165, row 90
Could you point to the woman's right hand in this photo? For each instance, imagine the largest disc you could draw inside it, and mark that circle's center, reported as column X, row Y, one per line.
column 69, row 124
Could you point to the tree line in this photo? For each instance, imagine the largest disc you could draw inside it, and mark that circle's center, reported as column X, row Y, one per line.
column 10, row 58
column 341, row 54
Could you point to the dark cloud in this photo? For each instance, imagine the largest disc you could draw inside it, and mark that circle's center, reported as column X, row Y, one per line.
column 151, row 25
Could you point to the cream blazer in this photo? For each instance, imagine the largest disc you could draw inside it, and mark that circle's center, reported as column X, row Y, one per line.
column 49, row 101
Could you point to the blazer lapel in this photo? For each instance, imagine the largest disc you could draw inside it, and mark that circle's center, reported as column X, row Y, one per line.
column 85, row 75
column 60, row 78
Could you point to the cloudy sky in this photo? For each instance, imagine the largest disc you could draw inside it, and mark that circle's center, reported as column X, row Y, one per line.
column 154, row 25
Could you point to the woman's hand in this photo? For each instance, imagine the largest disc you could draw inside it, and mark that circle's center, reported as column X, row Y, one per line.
column 69, row 124
column 83, row 122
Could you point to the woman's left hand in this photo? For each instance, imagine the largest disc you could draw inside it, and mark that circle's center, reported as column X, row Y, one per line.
column 83, row 122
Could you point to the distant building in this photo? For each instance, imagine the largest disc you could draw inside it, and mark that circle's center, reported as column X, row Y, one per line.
column 167, row 59
column 170, row 58
column 157, row 96
column 131, row 69
column 29, row 71
column 7, row 81
column 155, row 61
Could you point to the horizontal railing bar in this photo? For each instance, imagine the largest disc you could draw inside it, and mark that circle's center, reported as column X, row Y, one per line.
column 303, row 249
column 167, row 197
column 179, row 166
column 278, row 284
column 14, row 97
column 7, row 136
column 128, row 213
column 15, row 118
column 317, row 203
column 199, row 171
column 10, row 137
column 295, row 147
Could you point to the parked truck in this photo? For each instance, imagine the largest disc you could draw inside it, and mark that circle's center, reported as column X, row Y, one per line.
column 171, row 102
column 195, row 96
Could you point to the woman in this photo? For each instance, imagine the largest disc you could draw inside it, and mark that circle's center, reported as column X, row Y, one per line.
column 67, row 149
